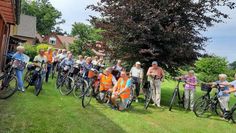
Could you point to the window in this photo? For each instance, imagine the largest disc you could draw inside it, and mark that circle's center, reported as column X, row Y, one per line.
column 52, row 40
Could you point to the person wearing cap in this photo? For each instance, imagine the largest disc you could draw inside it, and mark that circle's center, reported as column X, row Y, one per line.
column 189, row 89
column 136, row 74
column 49, row 55
column 107, row 80
column 155, row 77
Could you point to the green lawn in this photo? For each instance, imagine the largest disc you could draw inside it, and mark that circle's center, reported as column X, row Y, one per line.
column 52, row 113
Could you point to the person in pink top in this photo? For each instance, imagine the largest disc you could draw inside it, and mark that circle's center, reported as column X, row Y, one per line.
column 155, row 77
column 189, row 89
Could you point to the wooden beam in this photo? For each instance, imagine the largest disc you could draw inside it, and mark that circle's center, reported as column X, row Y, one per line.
column 2, row 3
column 5, row 9
column 8, row 13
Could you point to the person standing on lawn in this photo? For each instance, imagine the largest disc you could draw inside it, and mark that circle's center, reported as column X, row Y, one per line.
column 189, row 89
column 155, row 77
column 19, row 55
column 136, row 74
column 49, row 55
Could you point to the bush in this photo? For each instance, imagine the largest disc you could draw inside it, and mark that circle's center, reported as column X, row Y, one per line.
column 209, row 68
column 30, row 50
column 43, row 46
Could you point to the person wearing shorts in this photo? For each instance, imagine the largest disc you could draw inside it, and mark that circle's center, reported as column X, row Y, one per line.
column 121, row 90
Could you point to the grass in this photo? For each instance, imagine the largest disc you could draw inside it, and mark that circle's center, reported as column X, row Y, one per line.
column 52, row 113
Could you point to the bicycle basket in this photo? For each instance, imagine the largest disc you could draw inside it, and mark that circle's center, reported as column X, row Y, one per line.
column 75, row 69
column 30, row 67
column 20, row 65
column 205, row 87
column 66, row 68
column 91, row 74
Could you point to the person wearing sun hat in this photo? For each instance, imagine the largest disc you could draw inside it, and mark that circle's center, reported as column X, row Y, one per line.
column 136, row 74
column 155, row 77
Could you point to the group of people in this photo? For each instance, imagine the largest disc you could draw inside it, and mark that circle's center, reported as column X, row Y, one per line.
column 223, row 93
column 118, row 80
column 115, row 79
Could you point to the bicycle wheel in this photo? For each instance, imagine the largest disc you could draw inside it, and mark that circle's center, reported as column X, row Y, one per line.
column 148, row 98
column 54, row 71
column 59, row 80
column 173, row 99
column 8, row 86
column 200, row 106
column 218, row 110
column 233, row 117
column 131, row 99
column 27, row 78
column 38, row 86
column 79, row 88
column 87, row 96
column 67, row 86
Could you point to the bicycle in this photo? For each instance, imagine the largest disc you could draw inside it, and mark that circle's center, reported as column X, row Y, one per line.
column 89, row 91
column 175, row 94
column 131, row 98
column 80, row 83
column 147, row 95
column 8, row 81
column 66, row 81
column 230, row 115
column 54, row 69
column 34, row 77
column 206, row 102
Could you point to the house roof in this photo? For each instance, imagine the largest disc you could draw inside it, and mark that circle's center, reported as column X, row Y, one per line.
column 66, row 39
column 39, row 37
column 9, row 10
column 27, row 26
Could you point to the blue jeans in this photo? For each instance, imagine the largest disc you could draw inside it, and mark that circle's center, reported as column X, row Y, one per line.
column 19, row 75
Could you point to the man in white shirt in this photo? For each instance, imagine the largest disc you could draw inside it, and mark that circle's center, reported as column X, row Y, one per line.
column 63, row 55
column 136, row 74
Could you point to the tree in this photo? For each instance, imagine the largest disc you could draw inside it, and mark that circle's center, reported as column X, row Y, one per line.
column 47, row 16
column 86, row 37
column 232, row 65
column 162, row 30
column 209, row 68
column 59, row 31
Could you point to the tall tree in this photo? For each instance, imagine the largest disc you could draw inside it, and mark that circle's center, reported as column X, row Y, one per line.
column 232, row 65
column 86, row 36
column 47, row 16
column 168, row 31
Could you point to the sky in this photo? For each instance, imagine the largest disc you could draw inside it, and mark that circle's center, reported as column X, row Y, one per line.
column 223, row 35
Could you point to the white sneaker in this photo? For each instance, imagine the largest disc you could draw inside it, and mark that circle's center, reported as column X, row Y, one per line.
column 136, row 100
column 23, row 90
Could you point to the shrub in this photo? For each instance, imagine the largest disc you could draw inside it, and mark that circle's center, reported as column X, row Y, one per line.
column 209, row 68
column 30, row 50
column 42, row 46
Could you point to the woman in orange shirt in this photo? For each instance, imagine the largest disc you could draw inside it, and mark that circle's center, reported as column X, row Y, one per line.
column 49, row 55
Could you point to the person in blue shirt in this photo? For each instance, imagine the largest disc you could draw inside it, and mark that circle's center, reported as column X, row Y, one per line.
column 68, row 61
column 222, row 96
column 19, row 73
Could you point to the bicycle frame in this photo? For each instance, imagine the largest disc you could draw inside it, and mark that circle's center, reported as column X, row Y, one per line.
column 175, row 94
